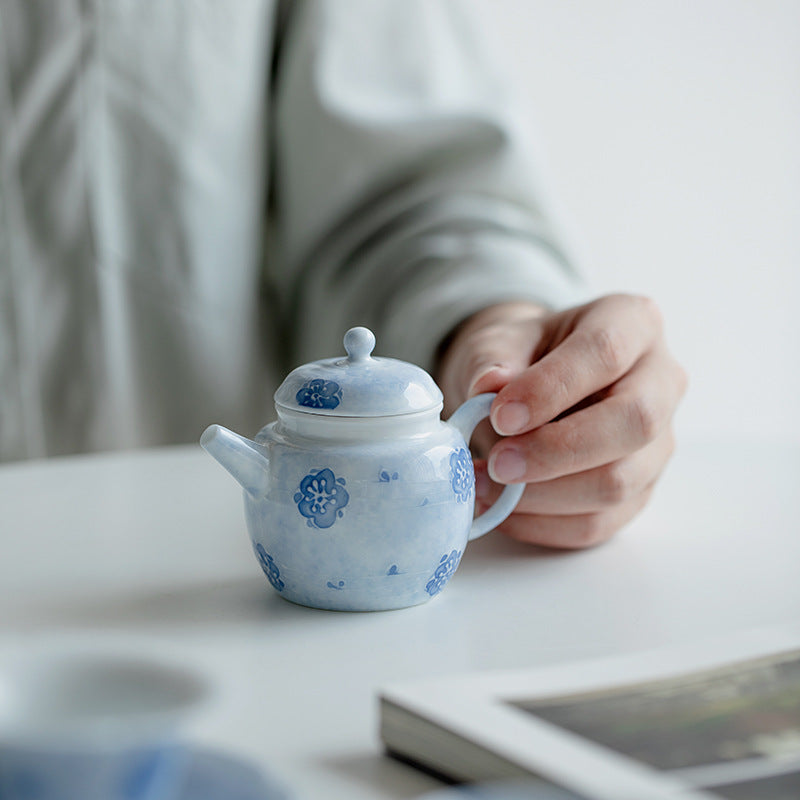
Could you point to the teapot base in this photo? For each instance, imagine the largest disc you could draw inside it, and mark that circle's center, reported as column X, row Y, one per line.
column 391, row 590
column 349, row 606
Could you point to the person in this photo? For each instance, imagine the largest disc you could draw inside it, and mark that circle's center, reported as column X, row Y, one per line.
column 196, row 197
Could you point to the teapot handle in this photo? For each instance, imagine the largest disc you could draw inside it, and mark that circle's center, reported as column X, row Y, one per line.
column 465, row 419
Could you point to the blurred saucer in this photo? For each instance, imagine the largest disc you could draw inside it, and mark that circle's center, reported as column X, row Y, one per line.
column 215, row 776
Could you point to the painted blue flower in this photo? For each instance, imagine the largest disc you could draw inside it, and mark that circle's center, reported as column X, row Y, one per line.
column 462, row 474
column 447, row 566
column 319, row 394
column 321, row 498
column 270, row 567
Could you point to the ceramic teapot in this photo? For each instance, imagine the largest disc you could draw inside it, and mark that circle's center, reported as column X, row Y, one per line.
column 359, row 497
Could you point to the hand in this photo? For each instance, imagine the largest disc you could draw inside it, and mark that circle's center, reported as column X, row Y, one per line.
column 586, row 399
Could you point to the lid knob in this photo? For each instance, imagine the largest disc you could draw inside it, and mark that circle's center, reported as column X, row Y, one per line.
column 359, row 343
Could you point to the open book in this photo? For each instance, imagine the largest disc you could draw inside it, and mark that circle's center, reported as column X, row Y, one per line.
column 717, row 720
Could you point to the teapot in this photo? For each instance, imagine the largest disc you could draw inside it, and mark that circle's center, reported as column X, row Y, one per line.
column 359, row 497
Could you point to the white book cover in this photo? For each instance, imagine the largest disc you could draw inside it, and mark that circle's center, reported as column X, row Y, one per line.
column 714, row 719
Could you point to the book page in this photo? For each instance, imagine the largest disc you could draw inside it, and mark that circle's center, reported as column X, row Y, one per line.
column 734, row 730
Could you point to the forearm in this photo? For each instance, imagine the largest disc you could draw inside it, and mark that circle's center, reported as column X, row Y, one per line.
column 406, row 214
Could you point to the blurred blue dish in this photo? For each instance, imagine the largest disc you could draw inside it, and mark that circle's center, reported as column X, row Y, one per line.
column 216, row 776
column 84, row 723
column 504, row 790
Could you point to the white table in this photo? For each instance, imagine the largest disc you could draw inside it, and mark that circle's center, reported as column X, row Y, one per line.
column 150, row 548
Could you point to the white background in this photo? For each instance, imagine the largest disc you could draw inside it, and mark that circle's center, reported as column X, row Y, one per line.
column 671, row 136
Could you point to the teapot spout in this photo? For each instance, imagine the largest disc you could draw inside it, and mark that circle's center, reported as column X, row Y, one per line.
column 244, row 459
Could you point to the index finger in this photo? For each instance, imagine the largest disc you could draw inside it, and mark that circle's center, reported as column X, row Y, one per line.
column 608, row 337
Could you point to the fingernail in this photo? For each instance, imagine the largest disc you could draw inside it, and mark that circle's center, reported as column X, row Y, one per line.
column 507, row 466
column 511, row 418
column 481, row 375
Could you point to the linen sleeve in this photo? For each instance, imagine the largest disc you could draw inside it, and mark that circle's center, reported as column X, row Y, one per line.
column 403, row 191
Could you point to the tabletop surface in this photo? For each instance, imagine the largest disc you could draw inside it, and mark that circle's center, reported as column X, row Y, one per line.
column 150, row 548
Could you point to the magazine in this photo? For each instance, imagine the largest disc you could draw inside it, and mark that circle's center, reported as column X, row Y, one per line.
column 714, row 720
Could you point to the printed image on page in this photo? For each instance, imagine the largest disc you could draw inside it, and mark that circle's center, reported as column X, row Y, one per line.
column 733, row 730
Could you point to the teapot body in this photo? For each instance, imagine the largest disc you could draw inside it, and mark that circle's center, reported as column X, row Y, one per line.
column 359, row 498
column 371, row 522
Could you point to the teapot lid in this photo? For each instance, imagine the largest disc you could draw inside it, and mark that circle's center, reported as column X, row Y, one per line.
column 359, row 385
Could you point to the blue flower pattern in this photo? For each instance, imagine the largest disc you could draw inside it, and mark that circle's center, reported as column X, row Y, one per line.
column 270, row 567
column 462, row 474
column 447, row 566
column 319, row 394
column 321, row 498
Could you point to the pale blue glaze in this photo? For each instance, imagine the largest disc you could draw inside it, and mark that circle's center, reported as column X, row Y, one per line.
column 363, row 518
column 358, row 385
column 376, row 540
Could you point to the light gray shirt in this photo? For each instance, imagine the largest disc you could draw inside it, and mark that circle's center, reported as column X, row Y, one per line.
column 196, row 196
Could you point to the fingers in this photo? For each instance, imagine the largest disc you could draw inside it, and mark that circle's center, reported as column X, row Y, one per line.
column 594, row 490
column 585, row 401
column 576, row 531
column 483, row 440
column 601, row 344
column 635, row 411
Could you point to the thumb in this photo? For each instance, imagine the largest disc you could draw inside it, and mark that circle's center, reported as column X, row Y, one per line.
column 490, row 377
column 492, row 348
column 496, row 358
